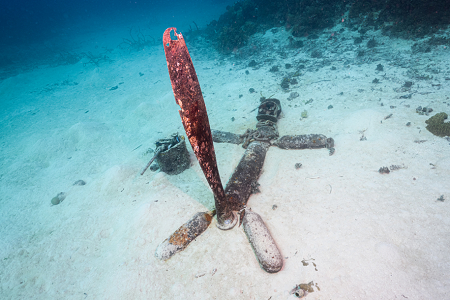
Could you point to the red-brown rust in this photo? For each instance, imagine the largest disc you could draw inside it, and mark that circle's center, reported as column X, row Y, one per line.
column 188, row 96
column 180, row 237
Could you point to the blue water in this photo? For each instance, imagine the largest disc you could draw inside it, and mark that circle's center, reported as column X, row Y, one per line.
column 32, row 33
column 26, row 21
column 66, row 117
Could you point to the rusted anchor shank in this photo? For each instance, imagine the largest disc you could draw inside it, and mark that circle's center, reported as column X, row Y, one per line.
column 188, row 96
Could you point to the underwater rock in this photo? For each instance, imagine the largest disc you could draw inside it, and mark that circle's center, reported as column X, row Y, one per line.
column 266, row 251
column 304, row 114
column 384, row 170
column 408, row 84
column 316, row 53
column 420, row 48
column 252, row 63
column 79, row 182
column 274, row 69
column 58, row 198
column 423, row 110
column 372, row 43
column 380, row 67
column 437, row 126
column 294, row 44
column 357, row 40
column 293, row 95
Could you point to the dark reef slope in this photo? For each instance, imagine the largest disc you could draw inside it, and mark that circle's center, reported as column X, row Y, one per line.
column 397, row 18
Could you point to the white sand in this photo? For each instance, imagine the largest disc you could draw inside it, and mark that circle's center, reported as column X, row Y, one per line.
column 370, row 236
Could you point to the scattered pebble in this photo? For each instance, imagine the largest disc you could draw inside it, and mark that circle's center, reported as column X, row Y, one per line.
column 304, row 114
column 252, row 63
column 293, row 95
column 407, row 84
column 423, row 110
column 274, row 69
column 384, row 170
column 58, row 198
column 397, row 167
column 298, row 165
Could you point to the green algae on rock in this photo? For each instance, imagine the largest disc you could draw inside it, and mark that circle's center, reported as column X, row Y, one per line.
column 437, row 126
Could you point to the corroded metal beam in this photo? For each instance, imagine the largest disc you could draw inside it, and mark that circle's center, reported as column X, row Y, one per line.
column 188, row 96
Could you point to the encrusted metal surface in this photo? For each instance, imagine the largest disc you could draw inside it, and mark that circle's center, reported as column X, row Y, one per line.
column 188, row 96
column 181, row 238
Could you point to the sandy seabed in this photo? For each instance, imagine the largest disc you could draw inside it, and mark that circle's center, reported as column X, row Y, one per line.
column 356, row 233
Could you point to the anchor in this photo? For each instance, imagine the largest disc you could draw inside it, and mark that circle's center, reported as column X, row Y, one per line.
column 231, row 202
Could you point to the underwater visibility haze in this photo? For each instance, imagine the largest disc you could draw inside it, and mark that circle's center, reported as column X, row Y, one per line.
column 265, row 150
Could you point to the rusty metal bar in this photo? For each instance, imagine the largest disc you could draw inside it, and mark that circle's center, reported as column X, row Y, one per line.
column 188, row 96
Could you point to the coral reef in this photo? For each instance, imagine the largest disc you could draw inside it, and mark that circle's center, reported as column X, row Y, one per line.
column 305, row 18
